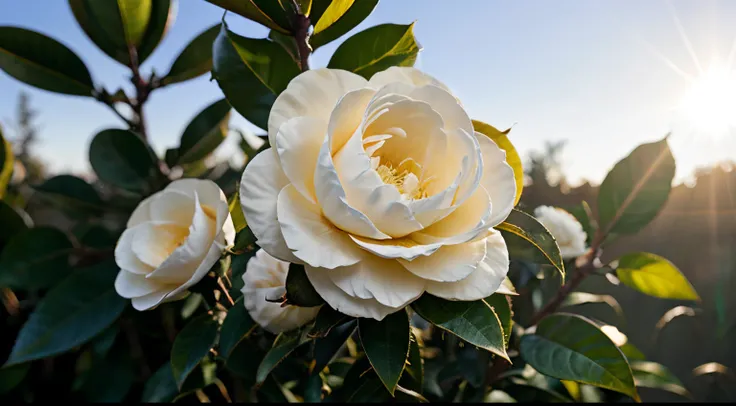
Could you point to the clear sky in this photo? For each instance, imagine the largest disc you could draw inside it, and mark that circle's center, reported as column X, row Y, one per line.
column 592, row 72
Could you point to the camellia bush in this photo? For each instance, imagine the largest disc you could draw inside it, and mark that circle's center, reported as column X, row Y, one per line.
column 373, row 249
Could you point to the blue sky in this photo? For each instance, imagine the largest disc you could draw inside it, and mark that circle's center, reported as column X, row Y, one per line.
column 587, row 71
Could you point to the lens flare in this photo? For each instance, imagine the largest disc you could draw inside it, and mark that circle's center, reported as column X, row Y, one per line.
column 710, row 104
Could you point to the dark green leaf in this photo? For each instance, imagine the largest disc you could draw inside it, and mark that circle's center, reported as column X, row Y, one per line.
column 636, row 188
column 43, row 62
column 299, row 290
column 7, row 158
column 72, row 313
column 204, row 133
column 161, row 386
column 570, row 347
column 474, row 322
column 244, row 360
column 12, row 222
column 327, row 318
column 531, row 230
column 339, row 17
column 162, row 18
column 501, row 304
column 236, row 326
column 251, row 73
column 110, row 380
column 283, row 346
column 376, row 49
column 313, row 389
column 95, row 236
column 413, row 377
column 580, row 298
column 655, row 276
column 270, row 13
column 37, row 258
column 121, row 158
column 632, row 353
column 195, row 59
column 10, row 377
column 361, row 385
column 72, row 194
column 653, row 375
column 326, row 348
column 192, row 344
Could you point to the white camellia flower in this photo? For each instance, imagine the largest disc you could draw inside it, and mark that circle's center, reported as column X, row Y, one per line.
column 382, row 189
column 172, row 240
column 265, row 278
column 565, row 228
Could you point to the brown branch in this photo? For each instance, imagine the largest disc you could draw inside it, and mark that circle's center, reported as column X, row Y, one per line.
column 301, row 25
column 225, row 292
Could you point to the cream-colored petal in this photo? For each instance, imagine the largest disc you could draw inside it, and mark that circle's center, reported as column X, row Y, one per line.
column 498, row 179
column 449, row 264
column 484, row 281
column 210, row 259
column 405, row 247
column 260, row 185
column 443, row 102
column 130, row 285
column 406, row 75
column 154, row 242
column 124, row 255
column 312, row 237
column 347, row 117
column 173, row 206
column 149, row 301
column 142, row 213
column 341, row 301
column 462, row 225
column 313, row 93
column 298, row 142
column 209, row 194
column 333, row 201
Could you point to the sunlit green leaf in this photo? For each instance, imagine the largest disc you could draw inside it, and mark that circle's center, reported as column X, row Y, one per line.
column 270, row 13
column 195, row 59
column 531, row 230
column 512, row 156
column 653, row 375
column 7, row 158
column 580, row 298
column 655, row 276
column 337, row 17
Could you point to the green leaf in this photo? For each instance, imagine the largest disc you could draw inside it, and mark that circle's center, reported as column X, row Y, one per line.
column 244, row 360
column 192, row 344
column 71, row 193
column 654, row 276
column 361, row 385
column 161, row 386
column 236, row 212
column 413, row 377
column 512, row 156
column 299, row 290
column 43, row 62
column 7, row 159
column 204, row 133
column 71, row 314
column 326, row 348
column 653, row 375
column 195, row 59
column 37, row 258
column 251, row 73
column 580, row 298
column 110, row 380
column 501, row 304
column 584, row 215
column 571, row 347
column 270, row 13
column 376, row 49
column 474, row 322
column 13, row 223
column 122, row 158
column 283, row 346
column 386, row 344
column 632, row 353
column 287, row 42
column 636, row 189
column 235, row 328
column 531, row 230
column 114, row 26
column 10, row 377
column 339, row 17
column 327, row 319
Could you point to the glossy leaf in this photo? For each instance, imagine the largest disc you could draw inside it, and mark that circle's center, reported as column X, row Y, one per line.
column 299, row 290
column 10, row 377
column 327, row 319
column 12, row 224
column 161, row 386
column 43, row 62
column 71, row 314
column 580, row 298
column 236, row 212
column 361, row 385
column 386, row 344
column 636, row 189
column 531, row 230
column 653, row 375
column 121, row 158
column 339, row 17
column 474, row 322
column 110, row 379
column 270, row 13
column 251, row 73
column 567, row 346
column 192, row 344
column 655, row 276
column 376, row 49
column 195, row 59
column 7, row 159
column 204, row 133
column 632, row 353
column 236, row 326
column 512, row 156
column 413, row 377
column 72, row 194
column 502, row 307
column 283, row 346
column 327, row 347
column 37, row 258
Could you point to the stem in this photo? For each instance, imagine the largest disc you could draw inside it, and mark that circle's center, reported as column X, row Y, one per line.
column 225, row 292
column 301, row 35
column 142, row 90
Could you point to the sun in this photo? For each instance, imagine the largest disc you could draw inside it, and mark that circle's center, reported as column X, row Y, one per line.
column 710, row 104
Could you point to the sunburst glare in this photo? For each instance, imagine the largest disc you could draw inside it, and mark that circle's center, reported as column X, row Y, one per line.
column 710, row 104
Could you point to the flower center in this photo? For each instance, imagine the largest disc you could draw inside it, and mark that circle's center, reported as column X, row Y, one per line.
column 403, row 177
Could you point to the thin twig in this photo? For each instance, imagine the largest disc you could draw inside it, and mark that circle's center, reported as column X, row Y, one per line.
column 225, row 292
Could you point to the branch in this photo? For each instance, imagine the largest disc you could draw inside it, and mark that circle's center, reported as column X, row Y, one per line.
column 107, row 100
column 301, row 35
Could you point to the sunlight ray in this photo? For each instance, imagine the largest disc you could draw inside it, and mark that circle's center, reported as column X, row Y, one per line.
column 685, row 39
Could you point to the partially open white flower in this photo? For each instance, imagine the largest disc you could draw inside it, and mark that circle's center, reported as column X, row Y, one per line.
column 565, row 228
column 265, row 278
column 172, row 240
column 382, row 189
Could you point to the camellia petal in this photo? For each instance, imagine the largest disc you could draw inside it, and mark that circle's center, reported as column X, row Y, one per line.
column 449, row 264
column 149, row 301
column 403, row 74
column 461, row 225
column 498, row 179
column 347, row 117
column 130, row 285
column 172, row 206
column 154, row 242
column 311, row 237
column 297, row 143
column 405, row 248
column 126, row 258
column 260, row 185
column 141, row 213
